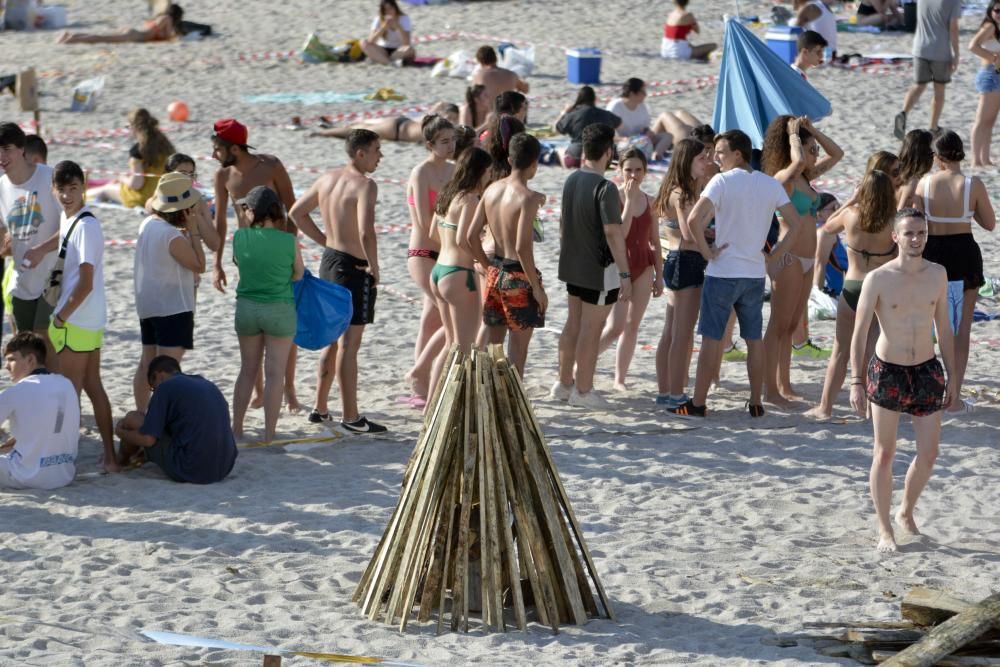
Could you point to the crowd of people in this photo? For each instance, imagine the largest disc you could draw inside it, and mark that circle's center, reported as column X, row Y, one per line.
column 906, row 231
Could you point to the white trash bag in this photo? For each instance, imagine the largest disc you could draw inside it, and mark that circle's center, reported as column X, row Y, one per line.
column 519, row 61
column 86, row 94
column 459, row 65
column 822, row 306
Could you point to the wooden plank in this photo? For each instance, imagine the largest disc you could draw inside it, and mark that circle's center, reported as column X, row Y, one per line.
column 925, row 606
column 883, row 636
column 951, row 635
column 435, row 570
column 374, row 581
column 947, row 661
column 448, row 561
column 272, row 661
column 509, row 556
column 563, row 496
column 460, row 589
column 491, row 554
column 880, row 625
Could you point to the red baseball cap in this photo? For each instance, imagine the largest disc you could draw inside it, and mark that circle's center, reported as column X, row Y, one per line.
column 231, row 130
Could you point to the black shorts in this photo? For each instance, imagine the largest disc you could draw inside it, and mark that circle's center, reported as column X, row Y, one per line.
column 866, row 10
column 31, row 314
column 959, row 254
column 169, row 330
column 916, row 390
column 349, row 271
column 162, row 455
column 683, row 269
column 592, row 296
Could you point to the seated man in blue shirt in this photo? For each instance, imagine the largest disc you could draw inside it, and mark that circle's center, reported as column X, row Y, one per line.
column 186, row 430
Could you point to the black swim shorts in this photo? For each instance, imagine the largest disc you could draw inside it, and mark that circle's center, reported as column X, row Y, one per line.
column 683, row 269
column 347, row 270
column 961, row 257
column 916, row 390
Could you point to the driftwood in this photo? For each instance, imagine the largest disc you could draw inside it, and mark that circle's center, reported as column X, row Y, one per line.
column 951, row 635
column 483, row 522
column 924, row 606
column 949, row 661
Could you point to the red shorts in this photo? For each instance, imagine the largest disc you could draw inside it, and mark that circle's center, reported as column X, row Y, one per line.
column 509, row 300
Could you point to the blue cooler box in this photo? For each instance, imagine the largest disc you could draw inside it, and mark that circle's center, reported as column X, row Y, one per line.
column 783, row 40
column 583, row 66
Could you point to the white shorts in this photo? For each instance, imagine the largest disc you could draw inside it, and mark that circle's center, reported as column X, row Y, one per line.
column 679, row 49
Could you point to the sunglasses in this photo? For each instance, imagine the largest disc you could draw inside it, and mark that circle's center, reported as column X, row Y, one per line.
column 995, row 10
column 814, row 150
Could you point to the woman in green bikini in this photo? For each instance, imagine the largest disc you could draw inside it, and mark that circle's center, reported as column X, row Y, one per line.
column 792, row 155
column 453, row 278
column 866, row 220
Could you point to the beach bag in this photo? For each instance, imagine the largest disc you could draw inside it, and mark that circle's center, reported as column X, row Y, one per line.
column 519, row 61
column 459, row 65
column 86, row 94
column 323, row 311
column 54, row 287
column 822, row 306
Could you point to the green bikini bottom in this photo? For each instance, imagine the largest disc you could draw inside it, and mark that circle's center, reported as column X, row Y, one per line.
column 441, row 270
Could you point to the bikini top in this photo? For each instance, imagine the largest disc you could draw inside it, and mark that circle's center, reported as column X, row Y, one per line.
column 671, row 224
column 991, row 45
column 868, row 255
column 444, row 224
column 966, row 216
column 803, row 203
column 677, row 31
column 431, row 195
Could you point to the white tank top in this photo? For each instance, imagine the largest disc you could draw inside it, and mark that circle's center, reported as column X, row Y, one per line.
column 825, row 24
column 966, row 201
column 162, row 286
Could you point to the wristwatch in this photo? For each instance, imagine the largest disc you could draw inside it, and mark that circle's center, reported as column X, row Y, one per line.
column 624, row 274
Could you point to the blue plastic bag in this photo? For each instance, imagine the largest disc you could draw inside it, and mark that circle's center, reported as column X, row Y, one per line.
column 323, row 311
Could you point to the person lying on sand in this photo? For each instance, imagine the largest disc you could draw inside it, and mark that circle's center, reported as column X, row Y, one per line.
column 393, row 128
column 163, row 27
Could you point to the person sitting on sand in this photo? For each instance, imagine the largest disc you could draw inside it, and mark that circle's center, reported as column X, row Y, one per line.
column 909, row 296
column 816, row 16
column 636, row 126
column 186, row 429
column 576, row 117
column 269, row 261
column 866, row 220
column 880, row 13
column 146, row 161
column 393, row 128
column 389, row 39
column 44, row 414
column 163, row 27
column 680, row 23
column 494, row 78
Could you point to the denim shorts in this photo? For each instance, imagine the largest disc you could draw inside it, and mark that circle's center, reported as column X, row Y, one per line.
column 720, row 296
column 987, row 80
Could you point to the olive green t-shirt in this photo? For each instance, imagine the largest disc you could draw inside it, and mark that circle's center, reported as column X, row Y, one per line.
column 266, row 259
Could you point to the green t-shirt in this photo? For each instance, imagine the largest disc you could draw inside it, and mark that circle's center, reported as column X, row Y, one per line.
column 266, row 259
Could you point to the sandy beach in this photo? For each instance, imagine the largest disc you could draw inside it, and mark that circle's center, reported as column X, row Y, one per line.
column 710, row 536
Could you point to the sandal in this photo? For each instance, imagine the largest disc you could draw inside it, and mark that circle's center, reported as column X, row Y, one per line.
column 755, row 410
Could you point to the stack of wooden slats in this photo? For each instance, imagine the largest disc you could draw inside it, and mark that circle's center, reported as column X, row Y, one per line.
column 483, row 521
column 937, row 629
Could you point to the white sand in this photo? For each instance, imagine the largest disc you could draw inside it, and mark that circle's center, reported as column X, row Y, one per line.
column 707, row 539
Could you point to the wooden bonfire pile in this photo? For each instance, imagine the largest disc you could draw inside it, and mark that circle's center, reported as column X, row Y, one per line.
column 937, row 629
column 483, row 521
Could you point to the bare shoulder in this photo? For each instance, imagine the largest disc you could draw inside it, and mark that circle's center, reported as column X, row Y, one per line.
column 934, row 271
column 270, row 160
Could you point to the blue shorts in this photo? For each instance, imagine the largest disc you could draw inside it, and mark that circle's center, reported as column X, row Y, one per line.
column 987, row 80
column 720, row 296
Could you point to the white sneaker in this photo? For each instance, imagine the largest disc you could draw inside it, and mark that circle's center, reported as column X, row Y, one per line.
column 560, row 391
column 591, row 399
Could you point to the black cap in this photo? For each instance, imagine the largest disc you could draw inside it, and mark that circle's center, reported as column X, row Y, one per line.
column 261, row 200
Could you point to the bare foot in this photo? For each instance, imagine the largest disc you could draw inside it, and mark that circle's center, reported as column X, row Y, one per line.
column 886, row 542
column 257, row 402
column 819, row 413
column 777, row 399
column 63, row 38
column 292, row 402
column 907, row 523
column 416, row 388
column 109, row 467
column 790, row 395
column 620, row 387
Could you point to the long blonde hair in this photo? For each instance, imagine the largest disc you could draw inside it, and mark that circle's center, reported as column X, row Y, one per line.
column 154, row 146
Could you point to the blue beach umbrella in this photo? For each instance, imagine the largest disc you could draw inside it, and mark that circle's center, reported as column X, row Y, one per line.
column 755, row 85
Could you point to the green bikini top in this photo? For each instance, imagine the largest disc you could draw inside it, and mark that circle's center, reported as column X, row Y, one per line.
column 444, row 224
column 803, row 203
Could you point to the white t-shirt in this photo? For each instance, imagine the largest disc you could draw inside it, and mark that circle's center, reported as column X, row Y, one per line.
column 393, row 39
column 31, row 215
column 162, row 286
column 744, row 205
column 86, row 246
column 44, row 414
column 825, row 24
column 634, row 121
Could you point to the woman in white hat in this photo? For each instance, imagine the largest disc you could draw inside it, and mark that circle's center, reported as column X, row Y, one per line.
column 168, row 256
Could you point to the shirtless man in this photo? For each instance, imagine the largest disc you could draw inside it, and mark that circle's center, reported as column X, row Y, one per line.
column 495, row 79
column 908, row 295
column 241, row 172
column 515, row 300
column 346, row 200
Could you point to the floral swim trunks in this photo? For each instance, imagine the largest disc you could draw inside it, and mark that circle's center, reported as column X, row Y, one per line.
column 916, row 390
column 509, row 300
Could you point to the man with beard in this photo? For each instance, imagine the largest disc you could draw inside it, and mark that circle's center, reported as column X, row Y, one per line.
column 241, row 172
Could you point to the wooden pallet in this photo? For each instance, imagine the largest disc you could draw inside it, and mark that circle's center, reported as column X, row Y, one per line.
column 483, row 522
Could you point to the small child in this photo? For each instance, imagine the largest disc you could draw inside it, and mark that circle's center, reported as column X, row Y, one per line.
column 810, row 52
